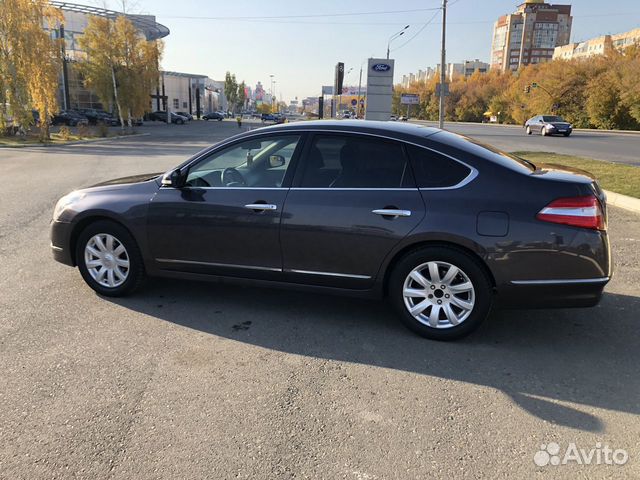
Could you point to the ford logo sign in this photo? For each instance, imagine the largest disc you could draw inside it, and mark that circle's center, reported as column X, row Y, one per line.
column 381, row 67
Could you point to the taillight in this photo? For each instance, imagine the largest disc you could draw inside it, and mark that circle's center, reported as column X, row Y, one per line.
column 585, row 212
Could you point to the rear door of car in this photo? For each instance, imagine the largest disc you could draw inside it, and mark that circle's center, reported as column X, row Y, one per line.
column 353, row 199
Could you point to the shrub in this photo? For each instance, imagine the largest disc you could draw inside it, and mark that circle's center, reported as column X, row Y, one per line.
column 64, row 133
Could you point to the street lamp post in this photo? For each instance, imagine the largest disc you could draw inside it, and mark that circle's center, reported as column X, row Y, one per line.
column 393, row 37
column 271, row 90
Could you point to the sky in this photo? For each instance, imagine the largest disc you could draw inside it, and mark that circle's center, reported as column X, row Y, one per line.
column 302, row 52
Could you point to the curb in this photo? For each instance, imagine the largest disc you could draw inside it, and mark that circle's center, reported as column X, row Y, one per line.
column 78, row 142
column 623, row 201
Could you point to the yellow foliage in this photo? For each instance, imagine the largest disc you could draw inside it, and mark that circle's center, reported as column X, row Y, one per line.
column 29, row 61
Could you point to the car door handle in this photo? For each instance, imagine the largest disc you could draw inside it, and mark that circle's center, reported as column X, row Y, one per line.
column 261, row 206
column 392, row 212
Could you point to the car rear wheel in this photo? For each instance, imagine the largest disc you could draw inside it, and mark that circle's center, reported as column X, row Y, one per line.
column 440, row 293
column 109, row 259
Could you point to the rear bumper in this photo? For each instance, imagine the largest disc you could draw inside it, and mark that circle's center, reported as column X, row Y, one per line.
column 567, row 293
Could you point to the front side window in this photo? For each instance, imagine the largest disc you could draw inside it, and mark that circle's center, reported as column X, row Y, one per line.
column 349, row 161
column 260, row 162
column 433, row 170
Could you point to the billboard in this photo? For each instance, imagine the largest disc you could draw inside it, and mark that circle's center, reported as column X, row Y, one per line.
column 339, row 77
column 409, row 99
column 327, row 90
column 379, row 89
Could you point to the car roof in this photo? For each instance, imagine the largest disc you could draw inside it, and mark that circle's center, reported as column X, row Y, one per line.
column 357, row 126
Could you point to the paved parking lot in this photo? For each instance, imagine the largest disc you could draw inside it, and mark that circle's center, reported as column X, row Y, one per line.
column 191, row 380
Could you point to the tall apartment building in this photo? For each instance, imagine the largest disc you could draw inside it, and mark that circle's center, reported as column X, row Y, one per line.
column 473, row 66
column 530, row 35
column 597, row 46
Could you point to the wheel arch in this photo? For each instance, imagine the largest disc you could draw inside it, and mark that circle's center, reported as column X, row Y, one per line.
column 405, row 250
column 83, row 223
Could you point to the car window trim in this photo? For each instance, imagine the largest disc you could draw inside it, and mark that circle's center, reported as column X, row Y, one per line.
column 307, row 132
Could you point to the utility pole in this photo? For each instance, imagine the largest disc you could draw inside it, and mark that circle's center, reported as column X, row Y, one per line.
column 65, row 73
column 443, row 64
column 359, row 90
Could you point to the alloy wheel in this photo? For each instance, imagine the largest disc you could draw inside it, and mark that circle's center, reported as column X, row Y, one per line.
column 438, row 294
column 107, row 260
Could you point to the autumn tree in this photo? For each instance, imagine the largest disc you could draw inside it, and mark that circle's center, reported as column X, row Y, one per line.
column 29, row 62
column 121, row 65
column 231, row 90
column 602, row 91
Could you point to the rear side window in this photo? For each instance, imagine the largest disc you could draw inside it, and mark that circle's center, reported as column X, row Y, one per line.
column 350, row 161
column 434, row 170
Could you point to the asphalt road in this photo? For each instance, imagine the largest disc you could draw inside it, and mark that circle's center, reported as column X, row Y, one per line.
column 195, row 380
column 614, row 147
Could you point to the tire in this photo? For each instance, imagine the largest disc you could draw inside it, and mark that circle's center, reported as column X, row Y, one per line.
column 566, row 134
column 180, row 122
column 219, row 119
column 477, row 300
column 543, row 132
column 134, row 275
column 529, row 131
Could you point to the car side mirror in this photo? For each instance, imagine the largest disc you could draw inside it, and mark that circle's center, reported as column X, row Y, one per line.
column 541, row 121
column 175, row 179
column 276, row 161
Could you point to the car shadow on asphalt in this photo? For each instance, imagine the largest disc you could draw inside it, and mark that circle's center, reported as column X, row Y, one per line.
column 555, row 364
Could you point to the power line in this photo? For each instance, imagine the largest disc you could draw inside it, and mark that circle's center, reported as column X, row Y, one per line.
column 321, row 15
column 418, row 32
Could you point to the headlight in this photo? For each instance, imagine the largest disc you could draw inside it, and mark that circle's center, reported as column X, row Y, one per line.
column 66, row 201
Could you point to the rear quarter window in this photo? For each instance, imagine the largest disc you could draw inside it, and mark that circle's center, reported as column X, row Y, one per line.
column 434, row 170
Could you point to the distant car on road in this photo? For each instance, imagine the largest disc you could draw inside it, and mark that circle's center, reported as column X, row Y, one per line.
column 548, row 125
column 273, row 117
column 374, row 209
column 186, row 115
column 70, row 118
column 162, row 117
column 213, row 116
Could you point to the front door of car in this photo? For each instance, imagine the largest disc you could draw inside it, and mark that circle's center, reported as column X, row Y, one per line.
column 225, row 220
column 353, row 199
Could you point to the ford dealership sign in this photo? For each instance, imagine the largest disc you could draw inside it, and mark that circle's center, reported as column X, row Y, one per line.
column 381, row 67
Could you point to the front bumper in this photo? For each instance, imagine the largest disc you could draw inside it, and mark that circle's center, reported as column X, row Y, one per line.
column 61, row 243
column 559, row 131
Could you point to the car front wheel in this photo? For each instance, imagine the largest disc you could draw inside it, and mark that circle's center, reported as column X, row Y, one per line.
column 109, row 259
column 528, row 130
column 440, row 293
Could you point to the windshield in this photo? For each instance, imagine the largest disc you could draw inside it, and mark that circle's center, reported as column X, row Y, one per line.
column 552, row 118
